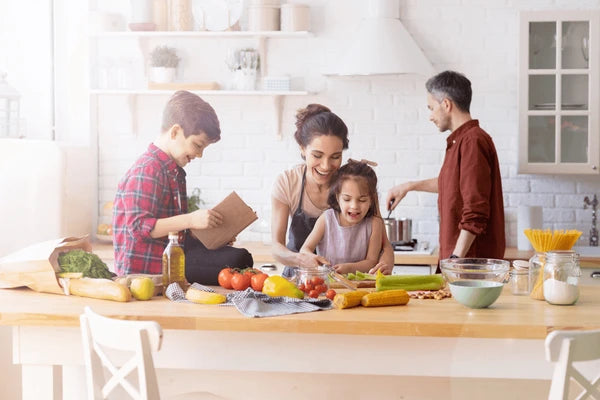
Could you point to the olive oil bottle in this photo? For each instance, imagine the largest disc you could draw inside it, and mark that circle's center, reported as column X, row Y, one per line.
column 173, row 263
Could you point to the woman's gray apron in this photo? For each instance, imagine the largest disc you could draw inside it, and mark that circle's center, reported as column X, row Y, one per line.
column 300, row 227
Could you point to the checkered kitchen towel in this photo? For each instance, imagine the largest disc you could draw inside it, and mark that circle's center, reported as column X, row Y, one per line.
column 256, row 304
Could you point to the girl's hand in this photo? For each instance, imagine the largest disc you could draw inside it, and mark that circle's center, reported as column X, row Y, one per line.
column 385, row 268
column 311, row 260
column 203, row 219
column 344, row 268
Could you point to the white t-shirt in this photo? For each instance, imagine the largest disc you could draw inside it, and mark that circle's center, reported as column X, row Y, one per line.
column 286, row 189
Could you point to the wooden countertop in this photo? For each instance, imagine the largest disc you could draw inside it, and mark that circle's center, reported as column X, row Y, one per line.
column 510, row 317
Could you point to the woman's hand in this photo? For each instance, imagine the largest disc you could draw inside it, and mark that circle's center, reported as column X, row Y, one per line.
column 385, row 268
column 232, row 241
column 311, row 260
column 203, row 219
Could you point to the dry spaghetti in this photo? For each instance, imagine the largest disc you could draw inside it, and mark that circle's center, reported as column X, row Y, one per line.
column 546, row 240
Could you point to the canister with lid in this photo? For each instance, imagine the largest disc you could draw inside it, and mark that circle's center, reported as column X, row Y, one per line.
column 536, row 277
column 561, row 277
column 295, row 17
column 519, row 277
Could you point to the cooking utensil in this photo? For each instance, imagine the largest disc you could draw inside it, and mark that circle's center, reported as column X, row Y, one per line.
column 404, row 229
column 391, row 229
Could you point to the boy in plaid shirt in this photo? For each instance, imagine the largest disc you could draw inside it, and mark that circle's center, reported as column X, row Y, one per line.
column 151, row 198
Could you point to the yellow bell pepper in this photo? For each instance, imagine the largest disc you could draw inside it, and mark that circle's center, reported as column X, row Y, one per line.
column 276, row 285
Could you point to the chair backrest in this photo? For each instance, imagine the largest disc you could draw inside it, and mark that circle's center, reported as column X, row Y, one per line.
column 101, row 335
column 565, row 348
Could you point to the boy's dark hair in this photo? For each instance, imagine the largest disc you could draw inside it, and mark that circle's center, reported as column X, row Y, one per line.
column 360, row 172
column 317, row 120
column 453, row 85
column 193, row 114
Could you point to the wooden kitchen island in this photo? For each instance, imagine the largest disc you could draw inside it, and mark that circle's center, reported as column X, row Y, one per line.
column 408, row 347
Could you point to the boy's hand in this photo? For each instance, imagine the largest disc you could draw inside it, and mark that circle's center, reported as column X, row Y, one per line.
column 203, row 219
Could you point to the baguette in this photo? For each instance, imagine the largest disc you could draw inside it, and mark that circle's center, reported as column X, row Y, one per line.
column 104, row 289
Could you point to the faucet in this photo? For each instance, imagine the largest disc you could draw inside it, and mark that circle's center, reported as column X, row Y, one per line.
column 593, row 232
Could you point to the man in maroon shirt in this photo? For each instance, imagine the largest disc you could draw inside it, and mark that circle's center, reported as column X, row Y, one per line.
column 151, row 198
column 469, row 186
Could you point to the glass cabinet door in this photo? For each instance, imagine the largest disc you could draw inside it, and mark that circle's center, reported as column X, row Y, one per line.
column 558, row 125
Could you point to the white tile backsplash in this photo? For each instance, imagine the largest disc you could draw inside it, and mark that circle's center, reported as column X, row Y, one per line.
column 387, row 116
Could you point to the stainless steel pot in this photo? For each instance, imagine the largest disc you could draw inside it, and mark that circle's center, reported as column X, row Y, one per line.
column 404, row 229
column 391, row 229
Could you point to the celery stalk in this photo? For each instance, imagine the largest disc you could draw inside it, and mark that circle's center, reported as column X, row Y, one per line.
column 409, row 282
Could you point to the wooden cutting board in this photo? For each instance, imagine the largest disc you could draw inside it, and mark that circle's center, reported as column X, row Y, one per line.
column 359, row 284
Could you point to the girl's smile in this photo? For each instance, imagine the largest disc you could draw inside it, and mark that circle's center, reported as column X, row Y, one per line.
column 354, row 201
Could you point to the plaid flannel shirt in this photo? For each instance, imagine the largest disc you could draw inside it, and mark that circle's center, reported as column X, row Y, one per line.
column 153, row 188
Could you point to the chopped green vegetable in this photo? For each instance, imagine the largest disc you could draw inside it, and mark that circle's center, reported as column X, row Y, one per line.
column 89, row 264
column 351, row 276
column 361, row 276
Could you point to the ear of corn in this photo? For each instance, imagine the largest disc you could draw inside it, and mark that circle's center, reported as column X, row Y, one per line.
column 408, row 282
column 203, row 297
column 387, row 298
column 348, row 299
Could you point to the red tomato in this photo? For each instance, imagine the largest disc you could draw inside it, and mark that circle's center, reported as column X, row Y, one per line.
column 250, row 272
column 257, row 281
column 309, row 286
column 240, row 281
column 317, row 280
column 301, row 287
column 330, row 294
column 322, row 288
column 314, row 294
column 225, row 278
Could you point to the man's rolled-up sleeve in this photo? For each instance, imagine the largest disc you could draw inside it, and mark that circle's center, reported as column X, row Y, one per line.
column 475, row 186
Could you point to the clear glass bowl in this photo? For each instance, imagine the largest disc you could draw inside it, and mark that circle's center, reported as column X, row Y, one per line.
column 482, row 269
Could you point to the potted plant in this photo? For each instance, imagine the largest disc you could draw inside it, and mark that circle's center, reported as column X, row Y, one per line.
column 163, row 61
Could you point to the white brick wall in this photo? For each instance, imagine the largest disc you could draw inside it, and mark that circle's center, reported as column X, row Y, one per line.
column 387, row 116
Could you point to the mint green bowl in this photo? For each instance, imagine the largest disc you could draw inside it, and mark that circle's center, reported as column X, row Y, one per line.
column 476, row 293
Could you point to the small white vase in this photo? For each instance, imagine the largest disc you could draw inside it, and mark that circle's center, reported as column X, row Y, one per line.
column 244, row 79
column 162, row 74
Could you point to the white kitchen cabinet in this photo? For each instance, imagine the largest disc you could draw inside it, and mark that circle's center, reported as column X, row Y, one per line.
column 559, row 69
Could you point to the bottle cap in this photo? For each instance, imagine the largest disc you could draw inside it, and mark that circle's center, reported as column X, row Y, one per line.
column 173, row 235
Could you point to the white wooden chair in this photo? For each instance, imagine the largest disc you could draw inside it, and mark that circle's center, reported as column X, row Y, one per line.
column 565, row 348
column 100, row 335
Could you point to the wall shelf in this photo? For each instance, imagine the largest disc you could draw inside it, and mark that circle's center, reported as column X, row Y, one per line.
column 200, row 34
column 146, row 92
column 277, row 100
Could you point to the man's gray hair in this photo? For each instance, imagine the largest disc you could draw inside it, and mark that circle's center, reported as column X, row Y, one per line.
column 451, row 85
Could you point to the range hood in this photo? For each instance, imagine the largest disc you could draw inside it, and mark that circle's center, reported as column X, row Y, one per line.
column 382, row 45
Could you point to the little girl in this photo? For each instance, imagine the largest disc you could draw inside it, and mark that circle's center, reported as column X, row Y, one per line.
column 349, row 233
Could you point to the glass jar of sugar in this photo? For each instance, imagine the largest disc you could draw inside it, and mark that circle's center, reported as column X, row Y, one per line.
column 561, row 277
